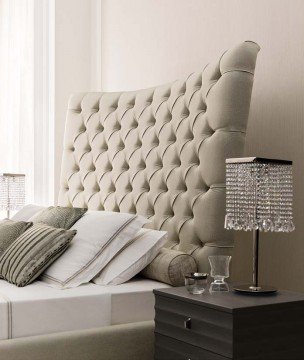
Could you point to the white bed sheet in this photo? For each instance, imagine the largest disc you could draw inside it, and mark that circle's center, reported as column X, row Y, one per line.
column 38, row 309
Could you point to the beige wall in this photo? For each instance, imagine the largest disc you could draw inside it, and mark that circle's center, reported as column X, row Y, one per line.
column 77, row 61
column 148, row 42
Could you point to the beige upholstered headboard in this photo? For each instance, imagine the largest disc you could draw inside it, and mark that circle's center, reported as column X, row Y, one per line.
column 161, row 152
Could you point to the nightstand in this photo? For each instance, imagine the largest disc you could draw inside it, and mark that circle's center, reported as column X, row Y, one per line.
column 228, row 325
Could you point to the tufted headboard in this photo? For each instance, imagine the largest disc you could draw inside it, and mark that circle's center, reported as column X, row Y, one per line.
column 161, row 152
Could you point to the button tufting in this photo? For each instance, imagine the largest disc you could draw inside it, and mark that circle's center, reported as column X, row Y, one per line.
column 161, row 177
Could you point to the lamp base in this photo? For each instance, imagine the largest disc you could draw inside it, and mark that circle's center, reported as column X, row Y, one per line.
column 251, row 289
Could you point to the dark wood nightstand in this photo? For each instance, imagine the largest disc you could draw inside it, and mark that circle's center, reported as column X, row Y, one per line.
column 228, row 326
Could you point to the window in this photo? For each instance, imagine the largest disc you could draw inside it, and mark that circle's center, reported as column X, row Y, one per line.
column 26, row 94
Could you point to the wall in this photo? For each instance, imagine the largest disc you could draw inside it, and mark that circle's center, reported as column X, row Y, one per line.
column 149, row 42
column 77, row 61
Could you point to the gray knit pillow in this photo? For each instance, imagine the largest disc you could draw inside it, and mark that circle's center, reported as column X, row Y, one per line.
column 32, row 252
column 9, row 231
column 59, row 217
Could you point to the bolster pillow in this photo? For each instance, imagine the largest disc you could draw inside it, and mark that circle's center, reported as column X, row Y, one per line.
column 170, row 267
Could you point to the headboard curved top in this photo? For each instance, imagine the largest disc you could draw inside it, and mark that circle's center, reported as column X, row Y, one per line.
column 161, row 152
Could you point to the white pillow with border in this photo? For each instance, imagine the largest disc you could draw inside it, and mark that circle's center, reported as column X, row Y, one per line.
column 100, row 236
column 132, row 259
column 27, row 212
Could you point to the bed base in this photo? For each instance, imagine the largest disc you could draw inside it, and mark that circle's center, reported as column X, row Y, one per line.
column 117, row 342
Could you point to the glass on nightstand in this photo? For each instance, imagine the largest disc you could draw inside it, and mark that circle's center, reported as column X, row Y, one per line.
column 196, row 283
column 219, row 271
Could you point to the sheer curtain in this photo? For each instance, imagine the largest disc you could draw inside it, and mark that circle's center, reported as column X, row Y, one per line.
column 25, row 116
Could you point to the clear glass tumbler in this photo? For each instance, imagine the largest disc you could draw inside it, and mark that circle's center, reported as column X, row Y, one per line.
column 219, row 271
column 196, row 283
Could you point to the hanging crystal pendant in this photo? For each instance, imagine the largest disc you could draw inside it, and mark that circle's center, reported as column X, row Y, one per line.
column 259, row 195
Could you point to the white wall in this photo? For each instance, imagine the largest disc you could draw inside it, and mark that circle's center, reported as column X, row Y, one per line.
column 77, row 60
column 148, row 42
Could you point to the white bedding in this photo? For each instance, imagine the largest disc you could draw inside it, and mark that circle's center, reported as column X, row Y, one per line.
column 38, row 309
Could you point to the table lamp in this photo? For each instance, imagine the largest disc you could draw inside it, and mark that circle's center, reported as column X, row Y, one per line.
column 12, row 192
column 258, row 198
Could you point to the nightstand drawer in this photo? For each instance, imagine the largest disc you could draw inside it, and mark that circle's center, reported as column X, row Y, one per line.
column 195, row 325
column 171, row 349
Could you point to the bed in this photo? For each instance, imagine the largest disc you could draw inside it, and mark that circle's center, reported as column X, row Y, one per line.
column 157, row 152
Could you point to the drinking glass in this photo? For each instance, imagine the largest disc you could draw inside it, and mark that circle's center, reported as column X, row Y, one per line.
column 196, row 283
column 219, row 271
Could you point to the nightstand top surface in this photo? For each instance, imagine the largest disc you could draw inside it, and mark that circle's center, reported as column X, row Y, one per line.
column 232, row 301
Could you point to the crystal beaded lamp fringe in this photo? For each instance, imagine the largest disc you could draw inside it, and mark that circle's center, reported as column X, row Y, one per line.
column 259, row 195
column 258, row 198
column 12, row 192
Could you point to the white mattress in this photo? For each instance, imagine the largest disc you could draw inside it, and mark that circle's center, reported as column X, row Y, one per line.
column 38, row 309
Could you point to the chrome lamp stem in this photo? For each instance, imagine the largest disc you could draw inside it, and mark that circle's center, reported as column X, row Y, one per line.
column 256, row 238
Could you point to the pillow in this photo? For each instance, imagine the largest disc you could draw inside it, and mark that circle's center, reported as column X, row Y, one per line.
column 27, row 212
column 32, row 252
column 133, row 258
column 9, row 231
column 59, row 217
column 170, row 267
column 100, row 236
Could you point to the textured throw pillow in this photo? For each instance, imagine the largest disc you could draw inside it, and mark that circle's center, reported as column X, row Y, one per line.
column 100, row 236
column 59, row 217
column 32, row 252
column 170, row 267
column 27, row 212
column 10, row 231
column 132, row 259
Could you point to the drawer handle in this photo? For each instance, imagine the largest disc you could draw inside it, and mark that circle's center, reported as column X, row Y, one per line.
column 187, row 323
